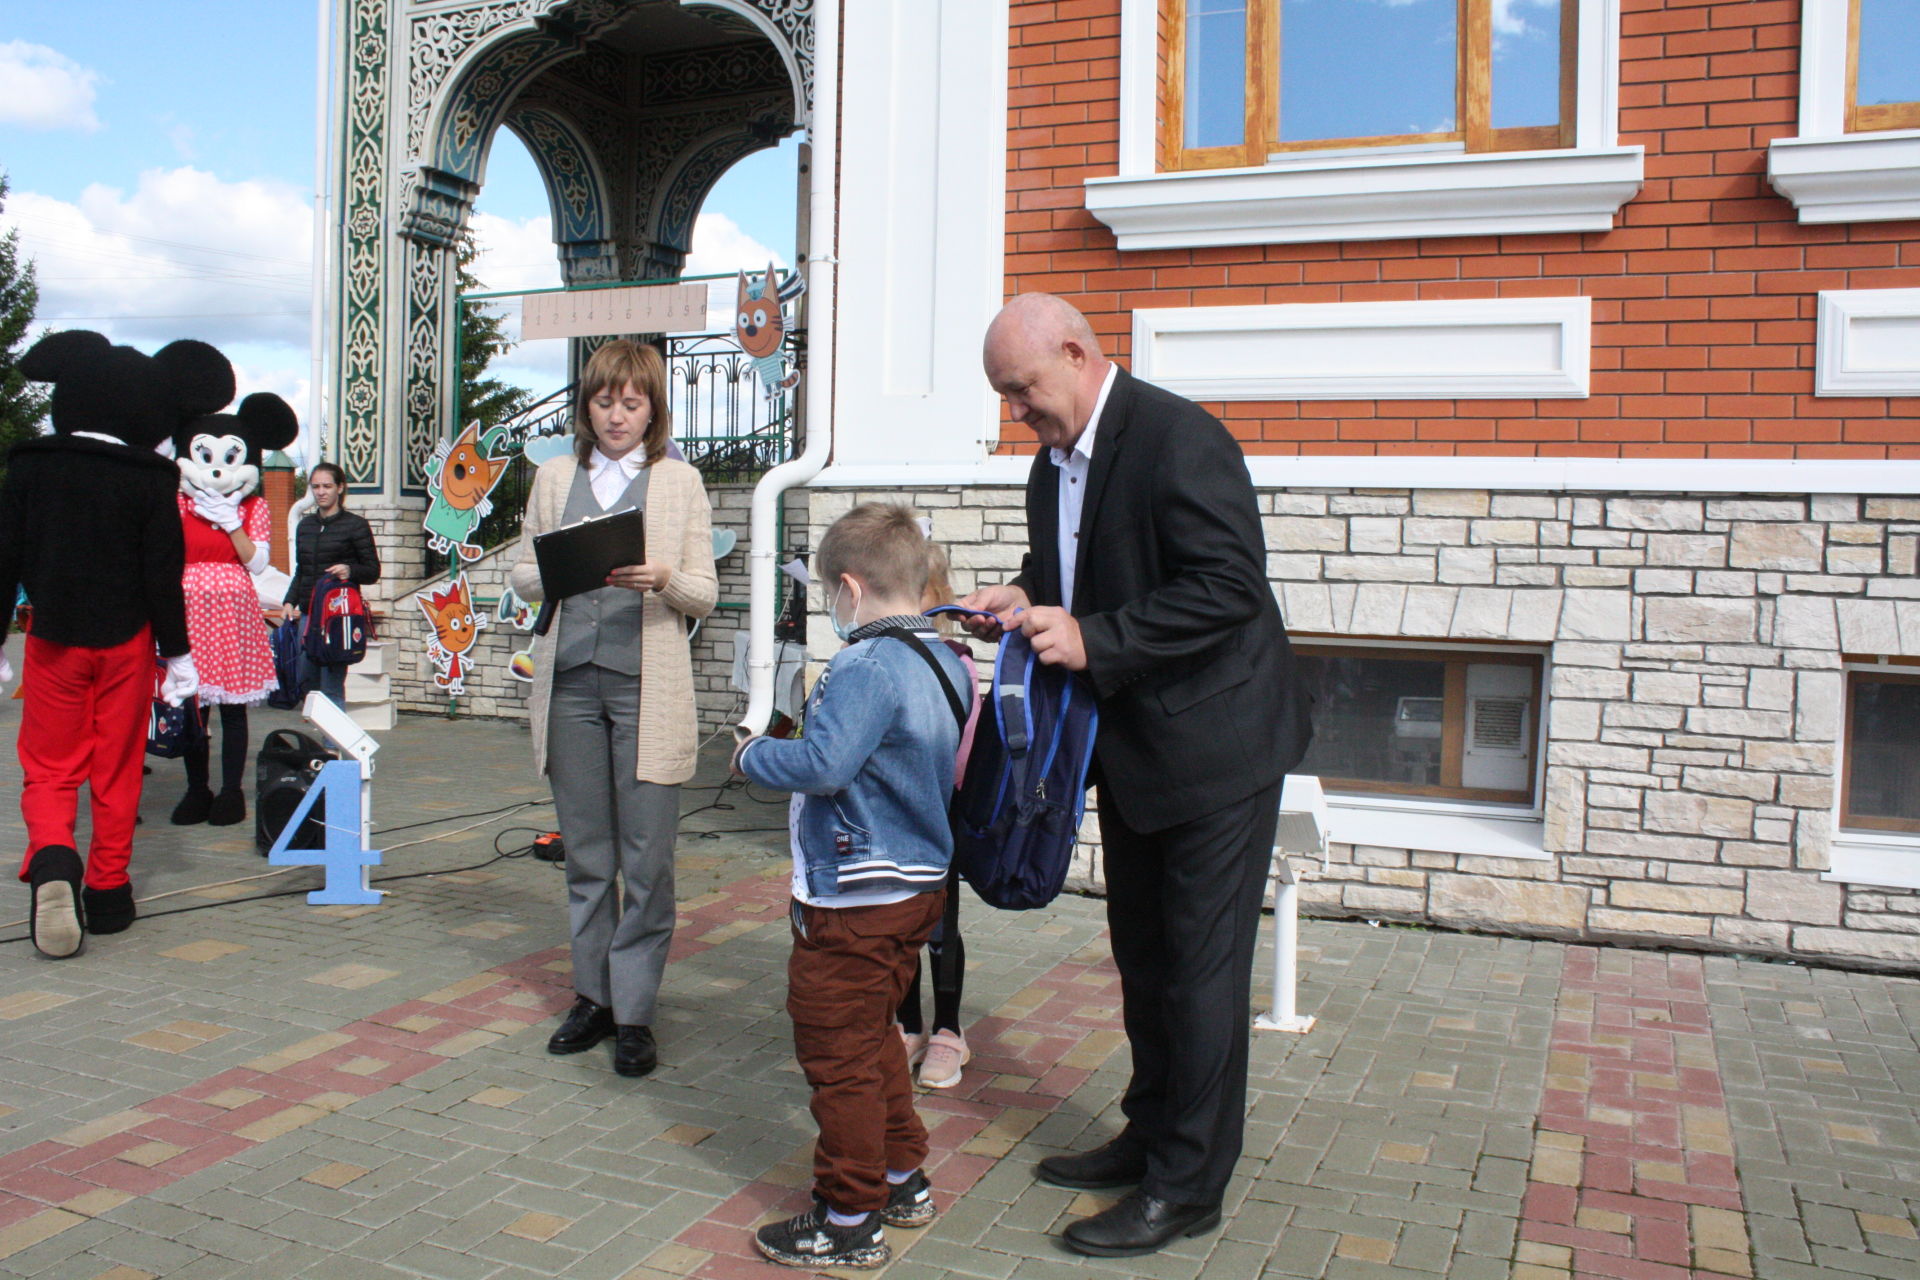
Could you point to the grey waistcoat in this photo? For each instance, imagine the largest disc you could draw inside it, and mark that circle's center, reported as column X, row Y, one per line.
column 601, row 627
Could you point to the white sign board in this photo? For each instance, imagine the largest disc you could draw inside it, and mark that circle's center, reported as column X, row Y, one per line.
column 593, row 313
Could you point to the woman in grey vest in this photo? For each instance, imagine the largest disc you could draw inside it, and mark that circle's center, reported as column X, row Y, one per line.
column 612, row 706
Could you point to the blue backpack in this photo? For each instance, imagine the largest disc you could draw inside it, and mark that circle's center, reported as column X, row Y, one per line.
column 285, row 642
column 1017, row 812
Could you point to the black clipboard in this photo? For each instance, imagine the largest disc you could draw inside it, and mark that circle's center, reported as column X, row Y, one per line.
column 579, row 557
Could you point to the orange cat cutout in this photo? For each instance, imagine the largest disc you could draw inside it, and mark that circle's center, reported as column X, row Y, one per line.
column 455, row 627
column 760, row 327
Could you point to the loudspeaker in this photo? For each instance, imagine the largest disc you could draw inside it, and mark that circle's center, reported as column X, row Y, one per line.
column 286, row 767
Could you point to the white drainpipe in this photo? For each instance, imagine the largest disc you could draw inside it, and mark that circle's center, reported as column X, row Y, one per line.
column 823, row 237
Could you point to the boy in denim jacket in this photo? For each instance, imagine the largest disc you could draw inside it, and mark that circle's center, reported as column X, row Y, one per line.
column 871, row 846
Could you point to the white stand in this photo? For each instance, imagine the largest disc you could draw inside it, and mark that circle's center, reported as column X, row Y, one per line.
column 1303, row 829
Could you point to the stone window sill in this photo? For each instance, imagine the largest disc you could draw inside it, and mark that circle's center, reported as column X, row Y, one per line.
column 1860, row 177
column 1370, row 198
column 1487, row 831
column 1881, row 858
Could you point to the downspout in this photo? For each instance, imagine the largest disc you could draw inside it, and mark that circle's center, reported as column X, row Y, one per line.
column 322, row 172
column 823, row 240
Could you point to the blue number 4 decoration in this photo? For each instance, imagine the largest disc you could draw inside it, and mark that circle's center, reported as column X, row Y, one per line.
column 345, row 861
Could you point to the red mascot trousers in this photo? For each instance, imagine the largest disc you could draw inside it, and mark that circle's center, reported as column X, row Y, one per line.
column 85, row 719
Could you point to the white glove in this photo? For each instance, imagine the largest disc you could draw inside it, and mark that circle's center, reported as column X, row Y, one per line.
column 221, row 510
column 181, row 681
column 6, row 670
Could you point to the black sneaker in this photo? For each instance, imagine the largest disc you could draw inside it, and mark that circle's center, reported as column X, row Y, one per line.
column 810, row 1239
column 910, row 1203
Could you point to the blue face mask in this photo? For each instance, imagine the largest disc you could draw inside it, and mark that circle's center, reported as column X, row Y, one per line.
column 842, row 630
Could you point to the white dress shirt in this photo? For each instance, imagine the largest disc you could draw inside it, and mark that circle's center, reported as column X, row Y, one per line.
column 609, row 477
column 1074, row 465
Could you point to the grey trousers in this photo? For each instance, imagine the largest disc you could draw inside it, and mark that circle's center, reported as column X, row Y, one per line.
column 612, row 825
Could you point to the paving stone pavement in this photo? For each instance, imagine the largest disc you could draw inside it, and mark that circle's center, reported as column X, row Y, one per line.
column 268, row 1089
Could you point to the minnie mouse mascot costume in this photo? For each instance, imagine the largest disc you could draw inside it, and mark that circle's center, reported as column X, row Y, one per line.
column 89, row 526
column 227, row 534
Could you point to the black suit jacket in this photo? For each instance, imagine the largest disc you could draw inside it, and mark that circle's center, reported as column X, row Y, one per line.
column 1199, row 702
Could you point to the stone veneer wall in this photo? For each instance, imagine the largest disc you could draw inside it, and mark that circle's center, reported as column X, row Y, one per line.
column 491, row 689
column 1694, row 693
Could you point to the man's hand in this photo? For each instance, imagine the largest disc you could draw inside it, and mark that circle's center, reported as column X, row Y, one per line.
column 181, row 681
column 1055, row 636
column 640, row 577
column 1003, row 602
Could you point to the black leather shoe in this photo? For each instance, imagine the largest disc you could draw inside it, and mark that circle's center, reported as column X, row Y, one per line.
column 1120, row 1163
column 56, row 922
column 587, row 1024
column 634, row 1053
column 1139, row 1224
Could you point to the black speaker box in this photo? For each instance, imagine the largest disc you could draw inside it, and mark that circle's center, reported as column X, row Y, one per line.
column 286, row 767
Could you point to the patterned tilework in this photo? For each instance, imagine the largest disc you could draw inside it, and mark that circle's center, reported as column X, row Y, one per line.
column 1633, row 1172
column 51, row 1186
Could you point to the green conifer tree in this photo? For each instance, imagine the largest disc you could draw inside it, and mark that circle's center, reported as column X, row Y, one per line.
column 484, row 401
column 23, row 404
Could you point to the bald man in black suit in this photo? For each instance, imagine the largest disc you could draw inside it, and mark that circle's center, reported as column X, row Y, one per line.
column 1146, row 572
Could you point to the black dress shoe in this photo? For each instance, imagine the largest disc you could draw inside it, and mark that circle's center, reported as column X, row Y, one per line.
column 193, row 807
column 227, row 808
column 1120, row 1163
column 1139, row 1224
column 587, row 1024
column 634, row 1053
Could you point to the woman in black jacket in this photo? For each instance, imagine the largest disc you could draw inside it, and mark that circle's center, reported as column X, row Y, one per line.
column 331, row 540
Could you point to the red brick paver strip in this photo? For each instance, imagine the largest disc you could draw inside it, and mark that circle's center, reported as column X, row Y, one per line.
column 53, row 1185
column 1028, row 1058
column 1633, row 1173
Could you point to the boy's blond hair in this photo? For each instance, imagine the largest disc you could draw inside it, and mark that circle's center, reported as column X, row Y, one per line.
column 880, row 543
column 939, row 588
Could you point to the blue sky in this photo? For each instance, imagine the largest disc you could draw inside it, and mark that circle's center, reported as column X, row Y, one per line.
column 161, row 165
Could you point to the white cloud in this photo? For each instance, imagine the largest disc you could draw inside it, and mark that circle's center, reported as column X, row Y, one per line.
column 184, row 255
column 45, row 89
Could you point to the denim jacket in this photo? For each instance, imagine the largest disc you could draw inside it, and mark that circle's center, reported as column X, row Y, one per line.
column 875, row 765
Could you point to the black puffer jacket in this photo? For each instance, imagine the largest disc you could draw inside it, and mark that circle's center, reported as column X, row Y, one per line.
column 341, row 538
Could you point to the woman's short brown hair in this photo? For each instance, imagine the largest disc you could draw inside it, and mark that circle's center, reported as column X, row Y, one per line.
column 612, row 367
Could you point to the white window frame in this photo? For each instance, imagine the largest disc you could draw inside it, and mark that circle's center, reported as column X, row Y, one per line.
column 1306, row 196
column 1432, row 825
column 1885, row 859
column 1831, row 175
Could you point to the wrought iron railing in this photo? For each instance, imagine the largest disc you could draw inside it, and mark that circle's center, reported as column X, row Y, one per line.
column 723, row 424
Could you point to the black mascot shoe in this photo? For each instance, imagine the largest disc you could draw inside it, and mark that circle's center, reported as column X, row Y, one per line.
column 586, row 1025
column 228, row 808
column 634, row 1053
column 193, row 807
column 1139, row 1224
column 56, row 924
column 1120, row 1163
column 108, row 910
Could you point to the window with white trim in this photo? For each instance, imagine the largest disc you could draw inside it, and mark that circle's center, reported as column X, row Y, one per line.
column 1432, row 722
column 1856, row 156
column 1283, row 121
column 1880, row 774
column 1250, row 80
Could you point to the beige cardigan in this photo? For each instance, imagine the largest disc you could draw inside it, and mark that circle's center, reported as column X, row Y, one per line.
column 679, row 535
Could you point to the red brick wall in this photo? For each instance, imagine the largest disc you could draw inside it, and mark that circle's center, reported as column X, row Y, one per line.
column 1704, row 293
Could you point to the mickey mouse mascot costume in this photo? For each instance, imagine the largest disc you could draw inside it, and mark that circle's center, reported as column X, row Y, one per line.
column 89, row 526
column 227, row 534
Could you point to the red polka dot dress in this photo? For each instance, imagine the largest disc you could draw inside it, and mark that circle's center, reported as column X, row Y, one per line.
column 224, row 625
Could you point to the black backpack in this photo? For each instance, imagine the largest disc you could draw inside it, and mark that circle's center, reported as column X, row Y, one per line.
column 288, row 763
